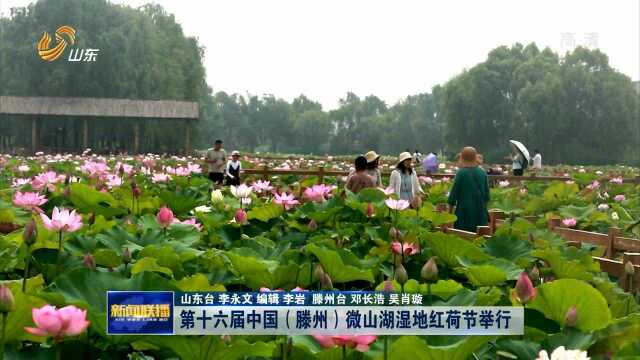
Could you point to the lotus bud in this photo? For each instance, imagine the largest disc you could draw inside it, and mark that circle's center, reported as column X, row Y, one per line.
column 241, row 216
column 165, row 217
column 7, row 303
column 571, row 318
column 429, row 271
column 524, row 288
column 92, row 218
column 534, row 274
column 225, row 338
column 216, row 196
column 401, row 275
column 318, row 272
column 395, row 234
column 371, row 210
column 313, row 225
column 388, row 286
column 325, row 282
column 126, row 256
column 135, row 190
column 121, row 170
column 30, row 233
column 89, row 262
column 628, row 268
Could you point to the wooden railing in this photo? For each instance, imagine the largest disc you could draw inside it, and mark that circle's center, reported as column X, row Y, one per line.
column 321, row 173
column 613, row 242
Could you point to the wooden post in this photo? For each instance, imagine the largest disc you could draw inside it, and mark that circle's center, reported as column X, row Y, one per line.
column 484, row 231
column 628, row 279
column 136, row 137
column 553, row 223
column 85, row 134
column 265, row 172
column 320, row 174
column 637, row 179
column 187, row 138
column 495, row 215
column 34, row 135
column 610, row 249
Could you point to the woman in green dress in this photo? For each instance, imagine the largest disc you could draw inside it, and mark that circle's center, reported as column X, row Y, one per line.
column 470, row 193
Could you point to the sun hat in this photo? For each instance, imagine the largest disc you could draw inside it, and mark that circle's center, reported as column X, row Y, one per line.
column 235, row 152
column 404, row 156
column 468, row 157
column 371, row 156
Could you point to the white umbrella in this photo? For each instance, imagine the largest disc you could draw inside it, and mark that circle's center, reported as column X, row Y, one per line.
column 518, row 146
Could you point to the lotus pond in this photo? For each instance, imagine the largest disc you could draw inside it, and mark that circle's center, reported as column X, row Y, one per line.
column 77, row 226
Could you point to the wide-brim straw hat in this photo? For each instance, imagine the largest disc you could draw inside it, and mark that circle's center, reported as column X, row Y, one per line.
column 469, row 157
column 371, row 156
column 404, row 156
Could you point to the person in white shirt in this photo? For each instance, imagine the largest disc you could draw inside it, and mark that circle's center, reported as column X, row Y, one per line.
column 516, row 166
column 537, row 160
column 233, row 169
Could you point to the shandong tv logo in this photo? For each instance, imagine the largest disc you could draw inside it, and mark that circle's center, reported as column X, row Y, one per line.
column 65, row 36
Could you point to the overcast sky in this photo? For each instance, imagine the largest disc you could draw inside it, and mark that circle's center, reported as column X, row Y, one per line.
column 390, row 48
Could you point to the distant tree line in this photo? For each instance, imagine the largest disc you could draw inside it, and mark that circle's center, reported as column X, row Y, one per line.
column 575, row 108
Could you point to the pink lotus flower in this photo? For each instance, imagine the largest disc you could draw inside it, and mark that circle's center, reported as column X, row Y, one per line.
column 407, row 248
column 58, row 323
column 298, row 288
column 388, row 191
column 191, row 221
column 266, row 289
column 19, row 182
column 617, row 180
column 194, row 168
column 127, row 169
column 46, row 180
column 503, row 183
column 23, row 168
column 569, row 222
column 113, row 181
column 594, row 185
column 523, row 191
column 62, row 220
column 360, row 342
column 318, row 193
column 261, row 186
column 165, row 217
column 29, row 201
column 160, row 178
column 397, row 204
column 242, row 191
column 286, row 200
column 619, row 198
column 426, row 180
column 524, row 290
column 94, row 169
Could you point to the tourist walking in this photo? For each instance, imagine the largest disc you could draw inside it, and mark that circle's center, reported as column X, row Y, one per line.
column 430, row 163
column 469, row 195
column 216, row 159
column 233, row 169
column 537, row 160
column 404, row 180
column 360, row 179
column 373, row 169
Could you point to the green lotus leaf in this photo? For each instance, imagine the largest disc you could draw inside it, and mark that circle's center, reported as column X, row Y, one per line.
column 413, row 347
column 24, row 302
column 449, row 247
column 263, row 273
column 149, row 264
column 335, row 264
column 265, row 212
column 87, row 199
column 556, row 297
column 443, row 289
column 107, row 258
column 198, row 282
